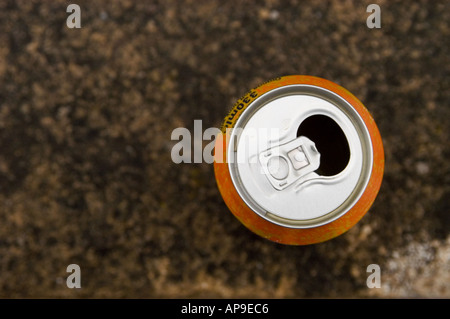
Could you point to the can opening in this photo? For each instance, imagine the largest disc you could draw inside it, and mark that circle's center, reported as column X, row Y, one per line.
column 330, row 141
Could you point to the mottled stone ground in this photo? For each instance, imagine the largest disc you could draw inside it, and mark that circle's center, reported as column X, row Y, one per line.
column 86, row 117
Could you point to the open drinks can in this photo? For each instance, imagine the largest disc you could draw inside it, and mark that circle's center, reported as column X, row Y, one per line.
column 299, row 160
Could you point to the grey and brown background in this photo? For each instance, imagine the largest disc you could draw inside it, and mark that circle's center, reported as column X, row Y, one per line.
column 86, row 175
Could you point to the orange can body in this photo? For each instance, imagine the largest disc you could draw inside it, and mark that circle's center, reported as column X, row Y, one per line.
column 281, row 233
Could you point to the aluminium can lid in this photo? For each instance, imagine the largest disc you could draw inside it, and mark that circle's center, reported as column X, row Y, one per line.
column 277, row 170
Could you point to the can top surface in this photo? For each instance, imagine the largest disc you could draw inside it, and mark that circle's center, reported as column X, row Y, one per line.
column 277, row 170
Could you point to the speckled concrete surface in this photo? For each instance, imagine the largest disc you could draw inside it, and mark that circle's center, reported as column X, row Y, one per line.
column 86, row 175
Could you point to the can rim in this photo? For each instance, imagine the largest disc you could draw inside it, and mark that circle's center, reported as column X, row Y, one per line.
column 343, row 106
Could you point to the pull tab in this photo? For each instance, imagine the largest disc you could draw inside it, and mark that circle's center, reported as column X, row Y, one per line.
column 287, row 163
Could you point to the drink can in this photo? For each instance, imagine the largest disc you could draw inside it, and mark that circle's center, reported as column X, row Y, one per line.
column 299, row 160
